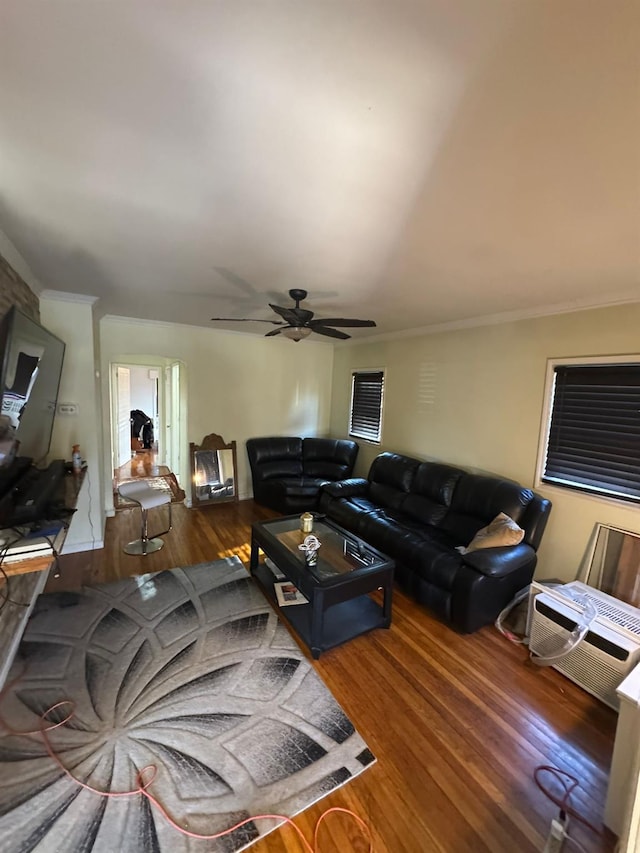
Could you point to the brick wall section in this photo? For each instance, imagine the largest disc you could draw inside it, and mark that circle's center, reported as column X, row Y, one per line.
column 15, row 291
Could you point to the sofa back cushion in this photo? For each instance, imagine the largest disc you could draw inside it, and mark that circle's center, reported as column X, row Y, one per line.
column 390, row 479
column 332, row 459
column 431, row 492
column 277, row 456
column 478, row 499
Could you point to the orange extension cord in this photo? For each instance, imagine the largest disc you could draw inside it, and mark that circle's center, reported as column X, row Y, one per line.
column 143, row 785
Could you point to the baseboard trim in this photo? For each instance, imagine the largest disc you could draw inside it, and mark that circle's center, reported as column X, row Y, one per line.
column 94, row 545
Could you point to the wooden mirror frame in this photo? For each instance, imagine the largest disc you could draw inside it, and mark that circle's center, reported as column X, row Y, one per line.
column 611, row 563
column 224, row 492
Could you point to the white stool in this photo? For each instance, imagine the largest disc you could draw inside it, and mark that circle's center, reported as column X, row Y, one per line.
column 141, row 493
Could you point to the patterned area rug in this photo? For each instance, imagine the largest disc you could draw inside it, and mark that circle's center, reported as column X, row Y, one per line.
column 189, row 670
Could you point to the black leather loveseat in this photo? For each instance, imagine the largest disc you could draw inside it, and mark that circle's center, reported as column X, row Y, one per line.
column 288, row 472
column 420, row 513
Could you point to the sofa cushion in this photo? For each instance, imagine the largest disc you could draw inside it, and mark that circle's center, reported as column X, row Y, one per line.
column 301, row 485
column 279, row 468
column 431, row 492
column 502, row 531
column 393, row 470
column 478, row 499
column 277, row 456
column 347, row 488
column 389, row 536
column 291, row 494
column 437, row 564
column 352, row 513
column 329, row 458
column 390, row 477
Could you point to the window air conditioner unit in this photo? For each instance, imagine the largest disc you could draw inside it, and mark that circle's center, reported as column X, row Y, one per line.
column 610, row 650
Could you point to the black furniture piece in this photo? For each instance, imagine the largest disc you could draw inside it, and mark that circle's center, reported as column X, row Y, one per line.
column 338, row 587
column 288, row 472
column 35, row 494
column 142, row 428
column 419, row 513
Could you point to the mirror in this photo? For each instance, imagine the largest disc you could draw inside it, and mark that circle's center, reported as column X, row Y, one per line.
column 214, row 477
column 612, row 563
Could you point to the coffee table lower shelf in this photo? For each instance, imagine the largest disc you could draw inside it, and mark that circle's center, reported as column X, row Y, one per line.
column 341, row 622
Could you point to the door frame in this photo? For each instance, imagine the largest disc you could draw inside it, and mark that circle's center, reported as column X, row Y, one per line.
column 179, row 423
column 115, row 417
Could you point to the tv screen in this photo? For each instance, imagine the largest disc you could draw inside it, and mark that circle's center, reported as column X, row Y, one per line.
column 31, row 367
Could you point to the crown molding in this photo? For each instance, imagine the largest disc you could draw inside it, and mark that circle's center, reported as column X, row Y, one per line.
column 165, row 324
column 62, row 296
column 497, row 319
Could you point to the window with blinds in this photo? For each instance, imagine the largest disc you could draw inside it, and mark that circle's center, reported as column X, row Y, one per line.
column 593, row 439
column 367, row 395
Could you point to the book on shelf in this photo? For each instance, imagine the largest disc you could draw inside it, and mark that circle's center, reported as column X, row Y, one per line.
column 287, row 593
column 25, row 543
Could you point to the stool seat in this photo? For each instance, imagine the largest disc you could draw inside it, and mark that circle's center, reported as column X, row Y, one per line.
column 142, row 493
column 147, row 498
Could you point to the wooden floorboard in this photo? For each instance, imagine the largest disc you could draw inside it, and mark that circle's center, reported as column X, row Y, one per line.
column 458, row 724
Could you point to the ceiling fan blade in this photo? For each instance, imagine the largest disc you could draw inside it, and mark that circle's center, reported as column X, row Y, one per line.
column 247, row 320
column 330, row 333
column 297, row 317
column 286, row 313
column 293, row 316
column 342, row 321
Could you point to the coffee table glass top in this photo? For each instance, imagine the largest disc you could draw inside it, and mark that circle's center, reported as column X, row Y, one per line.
column 339, row 552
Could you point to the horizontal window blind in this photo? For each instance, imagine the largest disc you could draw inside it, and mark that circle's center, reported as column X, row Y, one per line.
column 594, row 432
column 367, row 392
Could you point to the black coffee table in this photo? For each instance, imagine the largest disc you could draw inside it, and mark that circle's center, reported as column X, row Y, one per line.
column 338, row 588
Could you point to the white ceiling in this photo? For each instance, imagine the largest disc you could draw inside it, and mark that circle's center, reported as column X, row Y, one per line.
column 416, row 162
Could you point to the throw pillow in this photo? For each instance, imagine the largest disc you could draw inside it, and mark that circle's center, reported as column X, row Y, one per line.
column 502, row 531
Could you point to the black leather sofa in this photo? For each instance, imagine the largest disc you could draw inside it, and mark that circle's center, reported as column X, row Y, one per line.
column 419, row 513
column 288, row 473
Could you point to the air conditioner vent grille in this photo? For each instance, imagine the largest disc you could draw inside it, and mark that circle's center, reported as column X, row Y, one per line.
column 615, row 614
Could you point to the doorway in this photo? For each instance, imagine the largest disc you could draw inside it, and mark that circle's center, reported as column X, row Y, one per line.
column 147, row 427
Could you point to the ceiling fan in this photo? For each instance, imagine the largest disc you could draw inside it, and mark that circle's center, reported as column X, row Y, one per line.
column 298, row 323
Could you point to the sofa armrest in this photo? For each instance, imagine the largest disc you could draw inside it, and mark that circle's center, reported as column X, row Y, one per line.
column 499, row 562
column 354, row 486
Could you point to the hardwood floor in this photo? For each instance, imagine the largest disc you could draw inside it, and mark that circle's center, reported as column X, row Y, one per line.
column 458, row 723
column 142, row 464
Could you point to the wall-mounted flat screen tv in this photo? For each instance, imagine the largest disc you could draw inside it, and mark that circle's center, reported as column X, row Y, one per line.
column 31, row 367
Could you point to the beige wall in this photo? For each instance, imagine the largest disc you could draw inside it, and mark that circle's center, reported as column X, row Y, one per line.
column 237, row 385
column 71, row 318
column 474, row 397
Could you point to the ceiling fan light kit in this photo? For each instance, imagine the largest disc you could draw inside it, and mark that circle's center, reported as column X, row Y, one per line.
column 296, row 333
column 298, row 323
